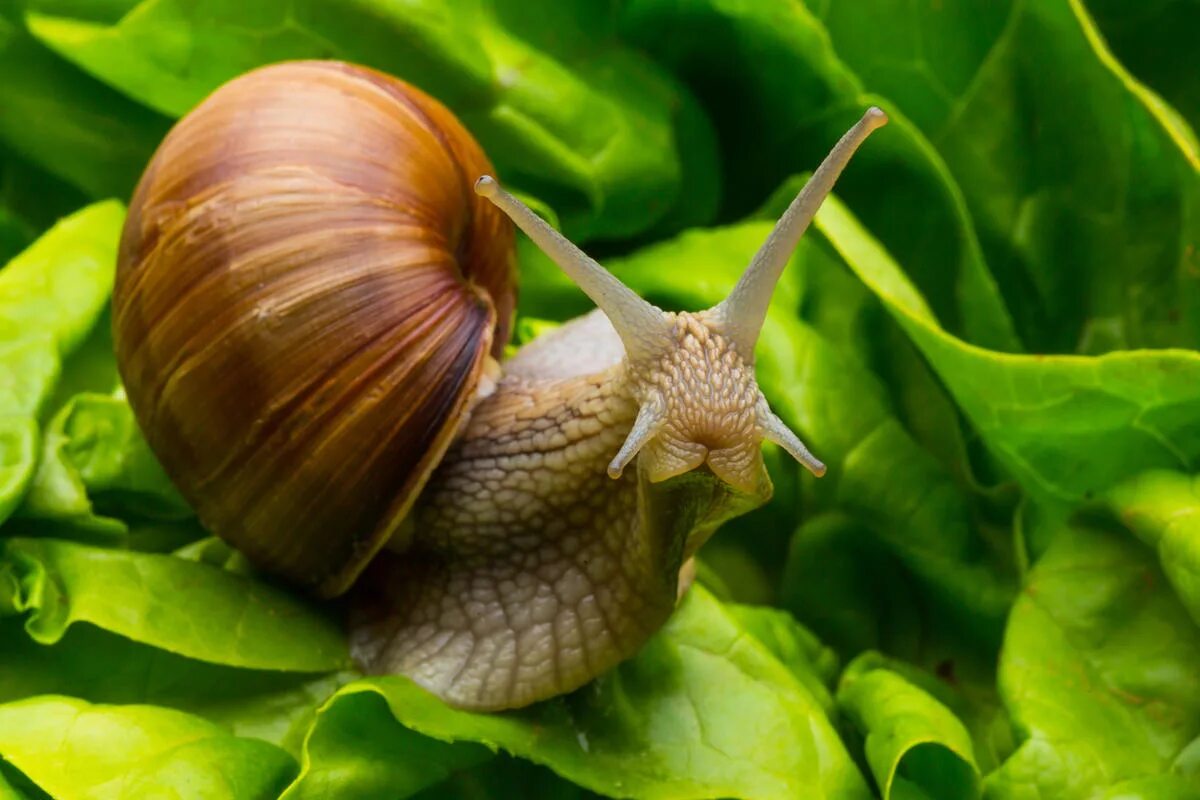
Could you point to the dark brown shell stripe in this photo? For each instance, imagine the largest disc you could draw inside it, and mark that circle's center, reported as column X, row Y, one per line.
column 306, row 292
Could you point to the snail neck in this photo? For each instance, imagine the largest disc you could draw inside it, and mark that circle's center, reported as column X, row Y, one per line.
column 542, row 443
column 528, row 570
column 556, row 433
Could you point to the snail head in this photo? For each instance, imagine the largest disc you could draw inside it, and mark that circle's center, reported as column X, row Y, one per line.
column 692, row 373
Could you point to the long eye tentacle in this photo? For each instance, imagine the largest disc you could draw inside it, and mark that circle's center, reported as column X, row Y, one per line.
column 742, row 313
column 641, row 325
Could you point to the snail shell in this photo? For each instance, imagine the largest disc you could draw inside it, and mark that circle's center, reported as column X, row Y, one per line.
column 308, row 293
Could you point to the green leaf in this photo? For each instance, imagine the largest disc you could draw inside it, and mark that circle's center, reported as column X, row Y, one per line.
column 499, row 777
column 30, row 366
column 1152, row 39
column 59, row 286
column 94, row 454
column 92, row 664
column 704, row 710
column 859, row 598
column 1157, row 787
column 780, row 98
column 18, row 446
column 65, row 746
column 812, row 663
column 1085, row 196
column 1066, row 427
column 102, row 667
column 1098, row 671
column 734, row 567
column 69, row 124
column 109, row 11
column 882, row 476
column 57, row 492
column 916, row 747
column 564, row 109
column 851, row 592
column 31, row 200
column 92, row 367
column 184, row 607
column 1163, row 509
column 14, row 233
column 356, row 750
column 15, row 786
column 50, row 297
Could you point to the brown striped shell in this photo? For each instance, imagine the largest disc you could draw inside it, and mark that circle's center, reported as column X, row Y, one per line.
column 306, row 295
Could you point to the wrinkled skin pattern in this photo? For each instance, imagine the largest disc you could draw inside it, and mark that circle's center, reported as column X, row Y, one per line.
column 528, row 570
column 710, row 404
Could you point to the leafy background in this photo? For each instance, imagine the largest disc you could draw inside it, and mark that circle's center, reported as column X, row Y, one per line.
column 990, row 336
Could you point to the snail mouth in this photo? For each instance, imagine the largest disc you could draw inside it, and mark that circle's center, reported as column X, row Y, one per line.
column 739, row 466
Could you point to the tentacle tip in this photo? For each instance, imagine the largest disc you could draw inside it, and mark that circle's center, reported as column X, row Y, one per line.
column 486, row 186
column 817, row 468
column 875, row 117
column 615, row 470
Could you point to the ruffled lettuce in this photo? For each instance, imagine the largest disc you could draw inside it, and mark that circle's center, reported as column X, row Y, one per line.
column 993, row 592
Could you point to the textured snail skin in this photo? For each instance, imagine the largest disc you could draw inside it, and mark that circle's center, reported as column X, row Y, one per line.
column 307, row 292
column 530, row 571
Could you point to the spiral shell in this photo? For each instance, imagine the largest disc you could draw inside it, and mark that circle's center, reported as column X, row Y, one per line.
column 306, row 296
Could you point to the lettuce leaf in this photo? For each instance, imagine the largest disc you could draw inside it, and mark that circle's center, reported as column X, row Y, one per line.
column 1045, row 417
column 18, row 455
column 50, row 297
column 101, row 667
column 915, row 746
column 1151, row 39
column 1098, row 671
column 1163, row 510
column 68, row 124
column 704, row 710
column 31, row 199
column 563, row 108
column 93, row 453
column 995, row 590
column 1024, row 102
column 498, row 776
column 155, row 599
column 65, row 747
column 57, row 288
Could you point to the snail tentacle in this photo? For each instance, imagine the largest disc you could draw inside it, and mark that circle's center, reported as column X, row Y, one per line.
column 649, row 420
column 641, row 325
column 742, row 313
column 775, row 430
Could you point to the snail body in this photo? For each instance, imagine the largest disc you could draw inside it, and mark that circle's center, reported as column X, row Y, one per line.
column 314, row 286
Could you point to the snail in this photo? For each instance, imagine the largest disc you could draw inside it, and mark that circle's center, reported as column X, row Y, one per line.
column 315, row 283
